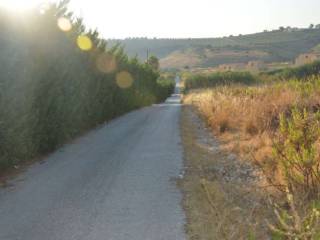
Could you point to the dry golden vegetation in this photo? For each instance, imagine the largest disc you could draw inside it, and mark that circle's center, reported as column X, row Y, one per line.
column 276, row 127
column 247, row 118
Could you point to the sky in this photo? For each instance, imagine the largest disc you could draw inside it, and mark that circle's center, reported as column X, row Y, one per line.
column 186, row 18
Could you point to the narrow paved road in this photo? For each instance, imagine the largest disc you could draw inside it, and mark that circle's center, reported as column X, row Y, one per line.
column 115, row 183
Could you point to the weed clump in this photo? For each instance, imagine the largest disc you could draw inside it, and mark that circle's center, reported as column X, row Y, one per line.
column 297, row 153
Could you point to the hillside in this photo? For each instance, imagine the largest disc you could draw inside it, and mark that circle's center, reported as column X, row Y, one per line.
column 274, row 46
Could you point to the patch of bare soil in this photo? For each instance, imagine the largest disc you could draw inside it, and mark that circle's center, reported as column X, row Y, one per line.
column 224, row 198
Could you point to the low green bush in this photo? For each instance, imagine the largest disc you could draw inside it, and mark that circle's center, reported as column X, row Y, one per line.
column 166, row 88
column 296, row 150
column 218, row 79
column 301, row 72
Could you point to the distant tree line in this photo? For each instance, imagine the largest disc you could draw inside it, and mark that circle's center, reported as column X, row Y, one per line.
column 58, row 79
column 288, row 28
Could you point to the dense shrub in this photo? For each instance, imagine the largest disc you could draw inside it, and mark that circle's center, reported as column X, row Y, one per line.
column 296, row 151
column 301, row 72
column 296, row 220
column 219, row 78
column 51, row 90
column 166, row 88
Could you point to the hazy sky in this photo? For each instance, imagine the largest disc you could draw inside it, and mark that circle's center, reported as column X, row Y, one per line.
column 188, row 18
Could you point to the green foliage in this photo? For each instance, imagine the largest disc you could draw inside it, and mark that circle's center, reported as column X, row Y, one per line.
column 296, row 222
column 297, row 153
column 251, row 235
column 153, row 61
column 166, row 88
column 217, row 79
column 298, row 72
column 166, row 81
column 295, row 149
column 52, row 91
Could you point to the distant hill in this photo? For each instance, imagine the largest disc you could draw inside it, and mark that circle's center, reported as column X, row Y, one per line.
column 273, row 46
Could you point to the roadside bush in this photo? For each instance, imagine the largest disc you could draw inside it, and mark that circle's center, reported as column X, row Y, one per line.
column 296, row 151
column 218, row 79
column 301, row 72
column 52, row 88
column 166, row 87
column 298, row 221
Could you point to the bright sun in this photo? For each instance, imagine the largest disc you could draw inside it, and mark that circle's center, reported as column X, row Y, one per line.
column 20, row 5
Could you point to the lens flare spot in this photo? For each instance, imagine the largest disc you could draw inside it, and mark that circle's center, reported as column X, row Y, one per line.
column 124, row 79
column 44, row 7
column 64, row 24
column 84, row 43
column 106, row 63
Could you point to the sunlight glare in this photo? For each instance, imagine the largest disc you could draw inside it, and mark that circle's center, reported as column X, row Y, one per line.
column 106, row 63
column 124, row 79
column 64, row 24
column 20, row 5
column 84, row 43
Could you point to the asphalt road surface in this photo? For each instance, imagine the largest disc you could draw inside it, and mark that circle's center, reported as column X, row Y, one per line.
column 115, row 183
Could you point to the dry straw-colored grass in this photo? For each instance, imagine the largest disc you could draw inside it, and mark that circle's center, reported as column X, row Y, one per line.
column 246, row 118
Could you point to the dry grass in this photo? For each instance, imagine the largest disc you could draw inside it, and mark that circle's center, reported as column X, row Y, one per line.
column 246, row 118
column 246, row 121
